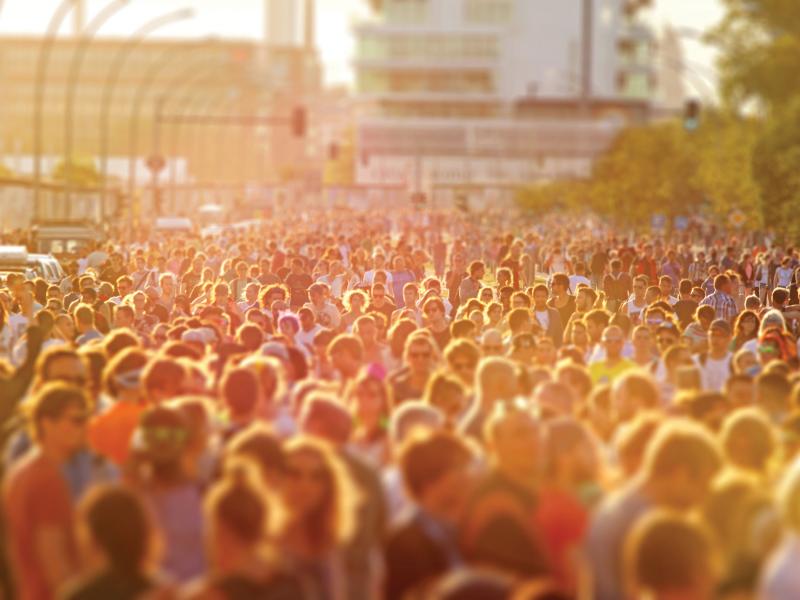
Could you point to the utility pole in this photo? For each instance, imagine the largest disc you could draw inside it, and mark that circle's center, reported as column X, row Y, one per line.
column 587, row 46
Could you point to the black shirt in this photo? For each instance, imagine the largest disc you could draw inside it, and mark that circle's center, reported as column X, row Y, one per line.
column 111, row 584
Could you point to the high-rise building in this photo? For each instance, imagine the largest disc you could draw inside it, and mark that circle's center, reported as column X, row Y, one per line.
column 462, row 67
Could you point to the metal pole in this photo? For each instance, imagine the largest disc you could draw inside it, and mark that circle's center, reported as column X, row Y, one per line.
column 133, row 134
column 587, row 46
column 216, row 100
column 117, row 66
column 38, row 98
column 74, row 73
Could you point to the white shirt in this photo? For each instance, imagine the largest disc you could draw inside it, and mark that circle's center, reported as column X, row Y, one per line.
column 543, row 318
column 575, row 280
column 715, row 372
column 780, row 576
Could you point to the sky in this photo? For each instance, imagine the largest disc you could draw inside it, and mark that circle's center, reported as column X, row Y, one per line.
column 243, row 19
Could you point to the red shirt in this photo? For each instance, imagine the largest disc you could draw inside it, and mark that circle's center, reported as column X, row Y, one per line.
column 35, row 496
column 563, row 521
column 110, row 433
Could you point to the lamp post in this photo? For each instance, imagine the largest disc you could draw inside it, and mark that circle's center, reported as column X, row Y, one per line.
column 117, row 66
column 42, row 63
column 74, row 74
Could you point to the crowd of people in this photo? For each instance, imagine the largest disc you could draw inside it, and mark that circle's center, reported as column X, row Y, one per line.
column 404, row 405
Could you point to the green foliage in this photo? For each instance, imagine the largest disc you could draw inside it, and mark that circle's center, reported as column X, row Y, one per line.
column 81, row 173
column 759, row 43
column 776, row 164
column 553, row 196
column 661, row 168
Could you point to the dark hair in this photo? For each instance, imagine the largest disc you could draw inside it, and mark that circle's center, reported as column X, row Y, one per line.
column 425, row 460
column 239, row 390
column 119, row 525
column 52, row 401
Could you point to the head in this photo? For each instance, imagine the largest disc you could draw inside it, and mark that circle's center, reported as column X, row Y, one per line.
column 59, row 414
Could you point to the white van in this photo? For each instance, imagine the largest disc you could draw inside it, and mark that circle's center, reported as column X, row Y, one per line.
column 16, row 259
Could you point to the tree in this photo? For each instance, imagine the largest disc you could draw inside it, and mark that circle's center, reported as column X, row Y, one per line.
column 776, row 165
column 82, row 172
column 759, row 43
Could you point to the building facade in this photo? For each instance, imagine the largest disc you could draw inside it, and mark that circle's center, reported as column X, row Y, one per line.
column 454, row 71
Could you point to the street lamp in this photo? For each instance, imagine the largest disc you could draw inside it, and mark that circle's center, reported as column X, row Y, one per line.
column 43, row 61
column 74, row 73
column 117, row 66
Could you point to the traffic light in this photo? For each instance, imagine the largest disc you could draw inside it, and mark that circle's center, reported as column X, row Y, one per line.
column 299, row 121
column 691, row 115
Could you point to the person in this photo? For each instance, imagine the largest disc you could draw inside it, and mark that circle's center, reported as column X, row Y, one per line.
column 320, row 502
column 617, row 286
column 437, row 470
column 780, row 579
column 685, row 306
column 433, row 311
column 715, row 367
column 158, row 471
column 498, row 529
column 723, row 303
column 635, row 305
column 680, row 463
column 470, row 286
column 614, row 365
column 243, row 518
column 548, row 319
column 346, row 355
column 495, row 383
column 570, row 489
column 111, row 431
column 36, row 498
column 561, row 299
column 370, row 402
column 119, row 546
column 420, row 357
column 668, row 555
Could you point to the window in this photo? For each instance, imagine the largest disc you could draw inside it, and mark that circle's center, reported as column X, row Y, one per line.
column 488, row 12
